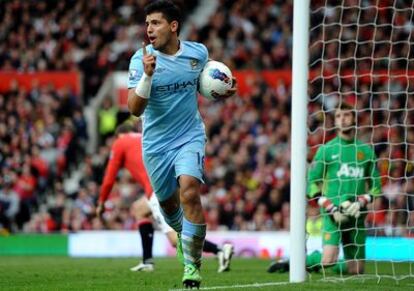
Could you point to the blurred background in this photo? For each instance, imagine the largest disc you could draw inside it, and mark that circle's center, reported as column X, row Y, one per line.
column 62, row 94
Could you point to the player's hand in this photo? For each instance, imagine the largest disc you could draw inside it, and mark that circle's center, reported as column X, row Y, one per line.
column 100, row 209
column 230, row 92
column 333, row 210
column 339, row 217
column 352, row 209
column 148, row 61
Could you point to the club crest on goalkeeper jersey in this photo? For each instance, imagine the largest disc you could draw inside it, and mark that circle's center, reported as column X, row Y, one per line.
column 343, row 169
column 171, row 117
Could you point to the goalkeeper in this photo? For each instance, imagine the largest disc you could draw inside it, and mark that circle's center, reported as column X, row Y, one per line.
column 344, row 178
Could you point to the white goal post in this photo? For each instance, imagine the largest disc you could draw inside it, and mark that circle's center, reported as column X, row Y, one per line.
column 360, row 52
column 298, row 140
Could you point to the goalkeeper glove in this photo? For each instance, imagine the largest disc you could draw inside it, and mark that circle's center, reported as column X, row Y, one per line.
column 354, row 208
column 334, row 211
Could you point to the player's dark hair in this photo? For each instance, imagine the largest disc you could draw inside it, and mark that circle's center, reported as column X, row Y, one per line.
column 125, row 127
column 169, row 10
column 346, row 106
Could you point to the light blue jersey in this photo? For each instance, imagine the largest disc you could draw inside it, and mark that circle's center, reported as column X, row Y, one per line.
column 171, row 117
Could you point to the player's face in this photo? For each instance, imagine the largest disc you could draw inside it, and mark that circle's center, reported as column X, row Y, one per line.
column 159, row 30
column 344, row 120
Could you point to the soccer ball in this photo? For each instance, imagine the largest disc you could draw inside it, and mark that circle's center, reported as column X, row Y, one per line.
column 215, row 80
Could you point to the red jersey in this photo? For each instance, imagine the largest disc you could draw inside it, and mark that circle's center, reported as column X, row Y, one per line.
column 126, row 152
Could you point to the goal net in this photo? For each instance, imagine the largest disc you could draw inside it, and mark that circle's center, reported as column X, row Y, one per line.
column 362, row 53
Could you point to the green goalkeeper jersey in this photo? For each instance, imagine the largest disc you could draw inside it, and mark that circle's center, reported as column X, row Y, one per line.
column 342, row 170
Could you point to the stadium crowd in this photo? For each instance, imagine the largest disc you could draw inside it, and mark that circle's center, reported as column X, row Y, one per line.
column 93, row 37
column 43, row 131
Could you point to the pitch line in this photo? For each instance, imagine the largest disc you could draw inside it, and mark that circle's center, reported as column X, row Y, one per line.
column 254, row 285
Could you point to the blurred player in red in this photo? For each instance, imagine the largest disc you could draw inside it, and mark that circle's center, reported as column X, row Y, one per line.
column 126, row 152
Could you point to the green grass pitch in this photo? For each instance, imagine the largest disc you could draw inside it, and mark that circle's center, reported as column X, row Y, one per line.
column 62, row 273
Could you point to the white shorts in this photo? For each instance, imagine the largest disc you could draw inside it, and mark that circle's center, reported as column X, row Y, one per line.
column 154, row 205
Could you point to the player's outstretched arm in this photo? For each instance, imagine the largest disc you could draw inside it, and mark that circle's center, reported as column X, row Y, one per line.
column 138, row 96
column 100, row 209
column 114, row 164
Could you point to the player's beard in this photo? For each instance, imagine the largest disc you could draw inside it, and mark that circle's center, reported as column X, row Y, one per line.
column 348, row 131
column 161, row 43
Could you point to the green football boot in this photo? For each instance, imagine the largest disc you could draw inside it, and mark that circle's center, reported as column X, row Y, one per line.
column 191, row 277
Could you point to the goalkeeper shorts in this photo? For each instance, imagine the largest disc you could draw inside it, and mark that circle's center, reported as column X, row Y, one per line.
column 351, row 235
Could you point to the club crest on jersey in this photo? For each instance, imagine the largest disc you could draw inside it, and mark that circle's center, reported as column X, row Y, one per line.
column 360, row 156
column 133, row 74
column 193, row 64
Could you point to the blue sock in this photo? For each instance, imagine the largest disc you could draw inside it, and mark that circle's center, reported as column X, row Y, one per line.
column 192, row 239
column 174, row 220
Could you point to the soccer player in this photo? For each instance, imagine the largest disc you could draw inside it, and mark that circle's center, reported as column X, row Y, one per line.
column 126, row 152
column 163, row 78
column 345, row 177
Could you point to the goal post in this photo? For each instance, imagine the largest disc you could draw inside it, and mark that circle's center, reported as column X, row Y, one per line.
column 301, row 13
column 361, row 52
